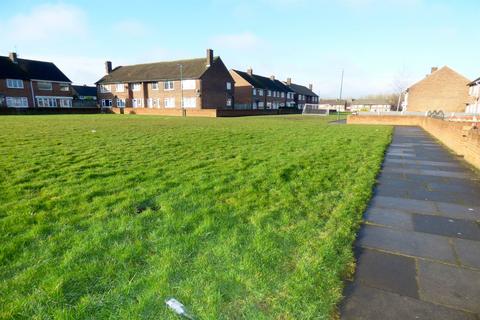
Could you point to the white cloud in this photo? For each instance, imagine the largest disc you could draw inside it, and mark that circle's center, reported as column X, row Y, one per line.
column 45, row 22
column 237, row 41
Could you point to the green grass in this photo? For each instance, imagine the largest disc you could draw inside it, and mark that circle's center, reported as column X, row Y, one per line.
column 106, row 216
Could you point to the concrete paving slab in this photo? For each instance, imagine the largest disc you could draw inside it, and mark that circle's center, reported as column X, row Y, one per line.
column 468, row 252
column 449, row 286
column 387, row 271
column 407, row 242
column 458, row 211
column 389, row 217
column 455, row 228
column 410, row 205
column 367, row 303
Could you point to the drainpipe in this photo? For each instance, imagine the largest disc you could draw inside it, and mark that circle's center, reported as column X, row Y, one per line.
column 33, row 97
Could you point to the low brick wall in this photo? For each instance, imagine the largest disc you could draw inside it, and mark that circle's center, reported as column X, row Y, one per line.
column 203, row 112
column 461, row 137
column 167, row 112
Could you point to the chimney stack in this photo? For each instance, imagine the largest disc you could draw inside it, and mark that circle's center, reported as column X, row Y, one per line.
column 13, row 57
column 209, row 57
column 433, row 69
column 289, row 81
column 310, row 86
column 272, row 78
column 250, row 71
column 108, row 67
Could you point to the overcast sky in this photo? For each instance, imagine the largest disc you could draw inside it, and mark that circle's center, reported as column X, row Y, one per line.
column 375, row 41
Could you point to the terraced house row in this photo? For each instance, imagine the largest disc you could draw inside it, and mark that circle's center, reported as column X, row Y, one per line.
column 29, row 83
column 202, row 83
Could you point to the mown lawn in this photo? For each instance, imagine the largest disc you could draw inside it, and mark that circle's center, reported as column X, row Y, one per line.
column 106, row 216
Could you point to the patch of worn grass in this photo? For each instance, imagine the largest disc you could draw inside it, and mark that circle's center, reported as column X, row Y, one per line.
column 106, row 216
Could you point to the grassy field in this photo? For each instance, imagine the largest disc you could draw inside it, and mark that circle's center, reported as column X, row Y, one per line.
column 106, row 216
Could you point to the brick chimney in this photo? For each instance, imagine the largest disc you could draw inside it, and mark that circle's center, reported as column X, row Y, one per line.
column 108, row 67
column 433, row 69
column 250, row 71
column 13, row 57
column 209, row 57
column 272, row 78
column 289, row 81
column 310, row 86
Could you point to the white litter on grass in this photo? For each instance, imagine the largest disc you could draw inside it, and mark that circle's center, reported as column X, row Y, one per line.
column 93, row 131
column 471, row 209
column 177, row 307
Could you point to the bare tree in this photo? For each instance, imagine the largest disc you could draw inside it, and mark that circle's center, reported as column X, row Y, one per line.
column 400, row 84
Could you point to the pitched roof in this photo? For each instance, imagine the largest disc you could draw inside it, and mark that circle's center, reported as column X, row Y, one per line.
column 262, row 82
column 42, row 70
column 439, row 71
column 302, row 90
column 370, row 102
column 332, row 101
column 8, row 69
column 474, row 82
column 157, row 71
column 85, row 90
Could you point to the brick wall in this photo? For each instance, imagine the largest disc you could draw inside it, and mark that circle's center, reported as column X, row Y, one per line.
column 214, row 87
column 10, row 92
column 461, row 137
column 444, row 90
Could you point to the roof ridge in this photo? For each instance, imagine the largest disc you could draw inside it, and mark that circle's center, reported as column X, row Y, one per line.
column 167, row 61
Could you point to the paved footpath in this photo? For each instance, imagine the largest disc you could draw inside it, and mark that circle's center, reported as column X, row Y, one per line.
column 419, row 249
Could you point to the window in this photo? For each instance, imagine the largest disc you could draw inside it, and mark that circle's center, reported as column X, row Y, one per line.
column 229, row 86
column 65, row 103
column 17, row 102
column 154, row 85
column 189, row 102
column 229, row 102
column 269, row 93
column 137, row 103
column 149, row 103
column 44, row 85
column 105, row 88
column 14, row 84
column 120, row 87
column 187, row 84
column 169, row 102
column 254, row 91
column 121, row 103
column 260, row 104
column 283, row 94
column 107, row 103
column 156, row 103
column 64, row 87
column 136, row 86
column 260, row 92
column 46, row 102
column 168, row 85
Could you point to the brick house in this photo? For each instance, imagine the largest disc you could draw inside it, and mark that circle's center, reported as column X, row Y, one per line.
column 370, row 105
column 474, row 91
column 29, row 83
column 253, row 91
column 202, row 83
column 443, row 89
column 302, row 94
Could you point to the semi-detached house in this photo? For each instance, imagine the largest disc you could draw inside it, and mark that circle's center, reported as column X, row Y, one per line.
column 202, row 83
column 28, row 83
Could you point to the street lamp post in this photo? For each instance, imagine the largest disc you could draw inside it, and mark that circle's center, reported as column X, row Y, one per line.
column 181, row 90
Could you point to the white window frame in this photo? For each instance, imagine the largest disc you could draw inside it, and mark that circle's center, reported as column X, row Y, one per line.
column 106, row 103
column 229, row 85
column 150, row 103
column 120, row 103
column 269, row 93
column 137, row 102
column 229, row 102
column 168, row 86
column 254, row 92
column 105, row 88
column 15, row 84
column 189, row 102
column 169, row 103
column 136, row 86
column 47, row 85
column 64, row 87
column 189, row 84
column 260, row 92
column 65, row 103
column 154, row 85
column 119, row 87
column 17, row 102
